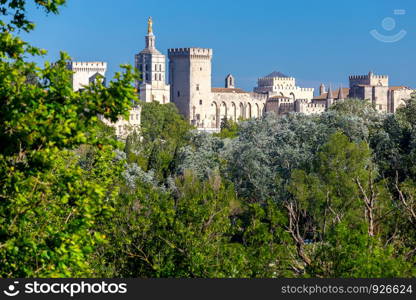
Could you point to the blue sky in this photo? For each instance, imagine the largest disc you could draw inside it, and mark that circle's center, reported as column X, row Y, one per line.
column 314, row 41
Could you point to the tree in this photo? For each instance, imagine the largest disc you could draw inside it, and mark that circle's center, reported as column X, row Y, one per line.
column 203, row 155
column 163, row 132
column 340, row 187
column 49, row 203
column 229, row 129
column 351, row 253
column 183, row 234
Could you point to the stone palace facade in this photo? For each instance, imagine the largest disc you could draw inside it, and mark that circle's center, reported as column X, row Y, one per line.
column 204, row 106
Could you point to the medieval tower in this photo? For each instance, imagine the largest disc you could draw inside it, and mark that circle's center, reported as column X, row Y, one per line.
column 152, row 67
column 190, row 83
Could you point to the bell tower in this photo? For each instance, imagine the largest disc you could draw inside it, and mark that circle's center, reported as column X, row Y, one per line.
column 152, row 68
column 229, row 82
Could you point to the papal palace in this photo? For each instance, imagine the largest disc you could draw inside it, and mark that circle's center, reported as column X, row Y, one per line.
column 190, row 89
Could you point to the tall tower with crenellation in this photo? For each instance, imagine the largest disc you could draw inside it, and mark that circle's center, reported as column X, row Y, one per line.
column 85, row 72
column 152, row 67
column 190, row 84
column 372, row 87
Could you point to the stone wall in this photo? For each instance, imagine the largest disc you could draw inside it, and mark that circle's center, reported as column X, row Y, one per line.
column 85, row 72
column 125, row 127
column 397, row 98
column 233, row 106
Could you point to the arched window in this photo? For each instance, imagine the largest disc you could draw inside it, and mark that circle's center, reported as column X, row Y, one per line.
column 242, row 115
column 160, row 77
column 234, row 112
column 214, row 115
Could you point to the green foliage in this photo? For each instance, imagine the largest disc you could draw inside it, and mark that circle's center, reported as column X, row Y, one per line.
column 337, row 188
column 49, row 204
column 202, row 155
column 163, row 235
column 163, row 132
column 229, row 129
column 17, row 9
column 356, row 107
column 268, row 247
column 351, row 253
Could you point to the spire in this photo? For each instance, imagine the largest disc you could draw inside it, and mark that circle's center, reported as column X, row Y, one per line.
column 341, row 95
column 329, row 95
column 329, row 98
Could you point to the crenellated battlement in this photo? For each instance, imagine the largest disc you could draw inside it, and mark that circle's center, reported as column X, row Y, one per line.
column 190, row 52
column 369, row 79
column 358, row 77
column 260, row 97
column 276, row 78
column 315, row 105
column 89, row 64
column 380, row 76
column 364, row 77
column 306, row 89
column 81, row 66
column 281, row 99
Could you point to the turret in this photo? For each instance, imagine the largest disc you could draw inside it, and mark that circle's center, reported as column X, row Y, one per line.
column 322, row 89
column 329, row 98
column 229, row 82
column 341, row 95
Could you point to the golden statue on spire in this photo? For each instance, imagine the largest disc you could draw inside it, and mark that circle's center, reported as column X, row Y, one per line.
column 150, row 25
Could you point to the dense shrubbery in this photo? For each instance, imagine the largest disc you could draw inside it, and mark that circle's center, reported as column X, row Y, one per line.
column 296, row 196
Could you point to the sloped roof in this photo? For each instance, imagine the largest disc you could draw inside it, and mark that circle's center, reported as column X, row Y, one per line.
column 329, row 94
column 277, row 74
column 395, row 88
column 278, row 97
column 227, row 90
column 335, row 94
column 150, row 51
